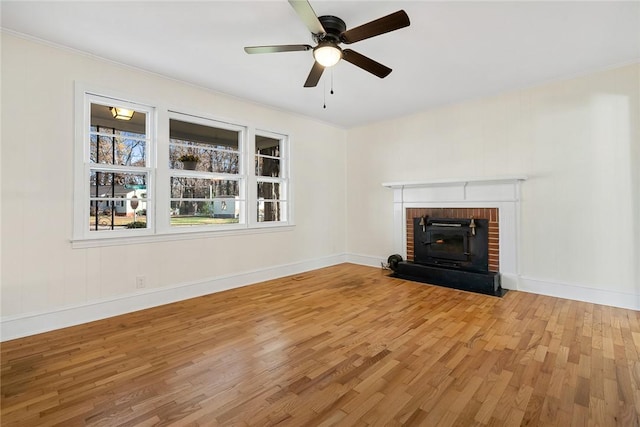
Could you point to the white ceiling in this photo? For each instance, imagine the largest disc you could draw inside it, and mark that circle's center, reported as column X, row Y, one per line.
column 453, row 50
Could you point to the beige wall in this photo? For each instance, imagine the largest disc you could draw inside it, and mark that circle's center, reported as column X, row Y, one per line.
column 576, row 140
column 40, row 270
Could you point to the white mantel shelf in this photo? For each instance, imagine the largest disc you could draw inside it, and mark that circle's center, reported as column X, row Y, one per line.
column 445, row 182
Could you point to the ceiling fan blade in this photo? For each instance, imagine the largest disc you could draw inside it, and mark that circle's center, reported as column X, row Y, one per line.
column 314, row 75
column 308, row 16
column 365, row 63
column 277, row 48
column 386, row 24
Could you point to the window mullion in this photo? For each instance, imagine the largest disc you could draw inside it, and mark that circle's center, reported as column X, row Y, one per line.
column 252, row 187
column 162, row 173
column 271, row 179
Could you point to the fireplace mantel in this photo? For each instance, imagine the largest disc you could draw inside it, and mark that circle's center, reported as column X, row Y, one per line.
column 502, row 192
column 460, row 181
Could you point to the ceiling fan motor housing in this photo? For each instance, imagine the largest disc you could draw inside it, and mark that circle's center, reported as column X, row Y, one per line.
column 333, row 26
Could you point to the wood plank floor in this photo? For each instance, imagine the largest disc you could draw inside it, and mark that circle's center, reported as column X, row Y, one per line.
column 344, row 345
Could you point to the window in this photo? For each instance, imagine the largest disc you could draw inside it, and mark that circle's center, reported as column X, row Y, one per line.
column 205, row 163
column 202, row 175
column 271, row 177
column 116, row 170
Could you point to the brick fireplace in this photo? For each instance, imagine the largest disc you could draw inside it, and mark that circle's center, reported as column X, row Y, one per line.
column 496, row 199
column 490, row 214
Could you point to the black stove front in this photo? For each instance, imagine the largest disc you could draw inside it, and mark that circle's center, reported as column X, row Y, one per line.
column 452, row 243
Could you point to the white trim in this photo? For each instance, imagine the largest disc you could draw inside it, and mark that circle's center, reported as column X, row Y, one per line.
column 368, row 260
column 23, row 325
column 284, row 178
column 12, row 327
column 84, row 97
column 229, row 230
column 580, row 293
column 456, row 181
column 164, row 226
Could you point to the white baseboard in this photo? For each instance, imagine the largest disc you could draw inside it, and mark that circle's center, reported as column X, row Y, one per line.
column 580, row 293
column 23, row 325
column 509, row 281
column 12, row 327
column 368, row 260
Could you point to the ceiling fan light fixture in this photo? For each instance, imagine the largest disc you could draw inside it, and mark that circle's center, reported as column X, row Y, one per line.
column 121, row 113
column 329, row 31
column 327, row 54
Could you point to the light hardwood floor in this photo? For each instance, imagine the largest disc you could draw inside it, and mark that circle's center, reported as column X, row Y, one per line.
column 344, row 345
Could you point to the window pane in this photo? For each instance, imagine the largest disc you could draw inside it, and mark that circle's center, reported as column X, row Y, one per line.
column 216, row 211
column 200, row 188
column 203, row 136
column 116, row 215
column 125, row 150
column 206, row 160
column 271, row 211
column 266, row 166
column 267, row 146
column 116, row 184
column 269, row 190
column 215, row 149
column 267, row 156
column 115, row 141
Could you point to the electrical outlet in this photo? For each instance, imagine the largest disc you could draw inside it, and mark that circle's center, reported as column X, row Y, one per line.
column 141, row 282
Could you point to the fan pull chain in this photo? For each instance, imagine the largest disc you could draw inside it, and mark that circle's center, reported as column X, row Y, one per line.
column 331, row 81
column 324, row 94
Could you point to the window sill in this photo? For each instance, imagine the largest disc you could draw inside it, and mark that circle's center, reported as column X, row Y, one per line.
column 176, row 235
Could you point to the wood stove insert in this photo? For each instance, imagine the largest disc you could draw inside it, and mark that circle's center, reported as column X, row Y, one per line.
column 453, row 253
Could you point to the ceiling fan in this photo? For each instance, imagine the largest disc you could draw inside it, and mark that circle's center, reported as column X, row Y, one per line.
column 328, row 33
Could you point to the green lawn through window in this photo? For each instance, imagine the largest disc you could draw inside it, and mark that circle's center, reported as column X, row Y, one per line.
column 201, row 220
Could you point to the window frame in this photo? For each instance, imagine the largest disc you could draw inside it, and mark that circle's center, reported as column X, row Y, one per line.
column 83, row 166
column 159, row 228
column 241, row 176
column 283, row 179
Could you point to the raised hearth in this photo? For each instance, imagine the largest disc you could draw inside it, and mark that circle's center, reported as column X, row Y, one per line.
column 487, row 283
